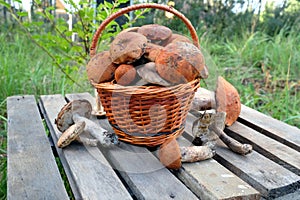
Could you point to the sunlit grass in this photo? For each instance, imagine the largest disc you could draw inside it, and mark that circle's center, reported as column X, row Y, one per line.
column 264, row 69
column 25, row 69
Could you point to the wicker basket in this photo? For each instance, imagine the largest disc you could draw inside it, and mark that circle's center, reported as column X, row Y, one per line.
column 146, row 115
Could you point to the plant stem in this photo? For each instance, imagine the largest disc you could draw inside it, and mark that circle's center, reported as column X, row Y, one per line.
column 43, row 48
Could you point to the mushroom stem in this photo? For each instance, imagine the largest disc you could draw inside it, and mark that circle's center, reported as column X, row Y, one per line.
column 204, row 100
column 230, row 142
column 196, row 153
column 98, row 109
column 102, row 135
column 87, row 141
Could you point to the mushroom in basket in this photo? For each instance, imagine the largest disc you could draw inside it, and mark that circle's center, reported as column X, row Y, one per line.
column 74, row 118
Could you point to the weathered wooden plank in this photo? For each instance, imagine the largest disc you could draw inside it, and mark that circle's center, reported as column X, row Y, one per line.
column 271, row 179
column 90, row 171
column 143, row 173
column 274, row 150
column 32, row 172
column 282, row 132
column 268, row 177
column 208, row 179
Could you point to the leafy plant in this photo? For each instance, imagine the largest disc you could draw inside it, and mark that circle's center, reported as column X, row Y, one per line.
column 54, row 36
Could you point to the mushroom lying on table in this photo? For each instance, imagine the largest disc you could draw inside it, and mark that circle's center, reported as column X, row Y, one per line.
column 74, row 118
column 172, row 155
column 227, row 101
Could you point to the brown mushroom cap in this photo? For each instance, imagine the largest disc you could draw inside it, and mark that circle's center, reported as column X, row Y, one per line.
column 70, row 134
column 156, row 33
column 228, row 100
column 127, row 47
column 169, row 154
column 152, row 51
column 189, row 52
column 180, row 62
column 177, row 38
column 125, row 74
column 100, row 68
column 64, row 118
column 130, row 29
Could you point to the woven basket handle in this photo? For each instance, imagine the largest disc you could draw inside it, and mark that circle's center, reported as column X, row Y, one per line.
column 137, row 7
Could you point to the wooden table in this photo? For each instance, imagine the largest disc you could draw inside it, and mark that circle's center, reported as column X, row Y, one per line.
column 37, row 169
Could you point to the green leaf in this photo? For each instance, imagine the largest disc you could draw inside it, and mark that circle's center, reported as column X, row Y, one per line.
column 5, row 4
column 22, row 14
column 123, row 1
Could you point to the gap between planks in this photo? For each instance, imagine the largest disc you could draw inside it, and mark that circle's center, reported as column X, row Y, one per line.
column 32, row 172
column 91, row 175
column 268, row 177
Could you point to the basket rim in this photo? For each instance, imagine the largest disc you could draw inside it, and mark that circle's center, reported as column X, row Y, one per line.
column 142, row 89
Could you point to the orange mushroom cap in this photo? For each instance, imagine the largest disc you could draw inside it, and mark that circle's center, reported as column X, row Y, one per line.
column 169, row 154
column 228, row 100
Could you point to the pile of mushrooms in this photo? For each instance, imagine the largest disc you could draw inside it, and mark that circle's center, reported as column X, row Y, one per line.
column 148, row 55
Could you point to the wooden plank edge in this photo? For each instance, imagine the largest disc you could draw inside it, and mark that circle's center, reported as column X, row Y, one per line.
column 62, row 158
column 42, row 129
column 261, row 150
column 99, row 174
column 268, row 194
column 267, row 130
column 276, row 192
column 200, row 188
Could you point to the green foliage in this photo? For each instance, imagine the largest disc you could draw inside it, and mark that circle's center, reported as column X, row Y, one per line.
column 54, row 36
column 223, row 18
column 285, row 16
column 264, row 69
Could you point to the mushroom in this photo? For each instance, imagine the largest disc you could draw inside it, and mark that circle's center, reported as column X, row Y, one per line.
column 156, row 33
column 127, row 47
column 169, row 154
column 75, row 113
column 149, row 74
column 218, row 126
column 180, row 62
column 177, row 38
column 72, row 134
column 100, row 68
column 172, row 156
column 130, row 29
column 226, row 99
column 98, row 108
column 211, row 124
column 152, row 51
column 125, row 74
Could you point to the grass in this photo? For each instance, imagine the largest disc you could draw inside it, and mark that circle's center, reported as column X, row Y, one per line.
column 25, row 69
column 264, row 70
